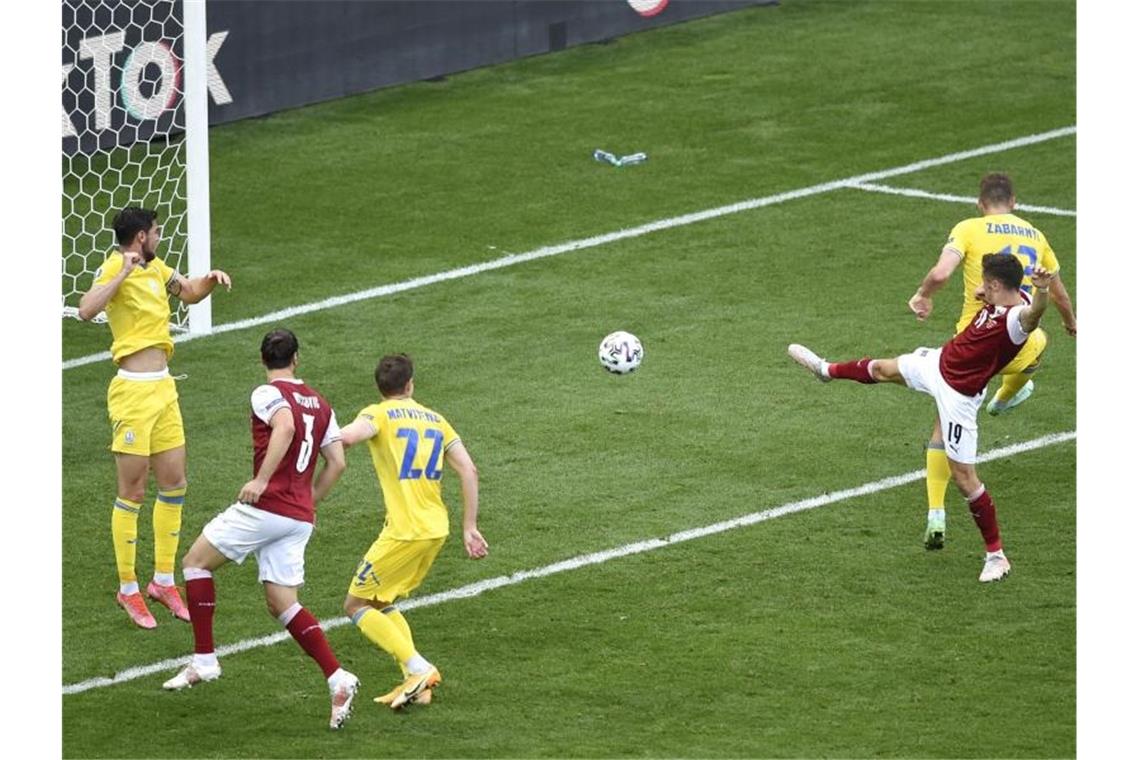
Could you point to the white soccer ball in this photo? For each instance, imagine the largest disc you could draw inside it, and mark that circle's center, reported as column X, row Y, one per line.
column 620, row 352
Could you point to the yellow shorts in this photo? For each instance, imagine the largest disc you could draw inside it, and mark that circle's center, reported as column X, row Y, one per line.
column 1029, row 357
column 391, row 568
column 145, row 418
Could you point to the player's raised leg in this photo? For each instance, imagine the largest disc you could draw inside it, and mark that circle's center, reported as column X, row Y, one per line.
column 198, row 568
column 306, row 631
column 937, row 481
column 866, row 370
column 170, row 474
column 132, row 473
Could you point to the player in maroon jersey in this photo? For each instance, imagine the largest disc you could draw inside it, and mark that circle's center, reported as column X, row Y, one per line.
column 956, row 376
column 273, row 519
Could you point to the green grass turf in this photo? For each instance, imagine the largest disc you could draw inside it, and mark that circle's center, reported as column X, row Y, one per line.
column 830, row 633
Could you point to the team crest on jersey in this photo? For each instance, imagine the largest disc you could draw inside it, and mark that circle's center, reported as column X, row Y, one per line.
column 129, row 437
column 154, row 286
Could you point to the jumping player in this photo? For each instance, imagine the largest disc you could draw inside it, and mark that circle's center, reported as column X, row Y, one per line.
column 132, row 286
column 956, row 376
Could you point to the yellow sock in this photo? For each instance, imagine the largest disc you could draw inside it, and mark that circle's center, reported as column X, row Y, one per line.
column 1010, row 385
column 384, row 633
column 937, row 476
column 398, row 618
column 167, row 525
column 124, row 533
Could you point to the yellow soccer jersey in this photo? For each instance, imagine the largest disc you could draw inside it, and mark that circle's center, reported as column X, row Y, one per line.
column 139, row 312
column 996, row 233
column 407, row 452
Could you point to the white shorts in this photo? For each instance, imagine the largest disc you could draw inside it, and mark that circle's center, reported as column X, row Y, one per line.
column 276, row 541
column 958, row 412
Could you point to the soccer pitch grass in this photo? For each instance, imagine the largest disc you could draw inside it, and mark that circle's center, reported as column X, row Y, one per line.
column 825, row 633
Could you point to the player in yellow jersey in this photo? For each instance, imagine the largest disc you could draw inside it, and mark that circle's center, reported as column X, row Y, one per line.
column 409, row 444
column 142, row 402
column 997, row 230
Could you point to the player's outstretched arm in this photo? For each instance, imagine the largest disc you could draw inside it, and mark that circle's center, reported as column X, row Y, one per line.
column 283, row 428
column 194, row 289
column 97, row 298
column 1031, row 316
column 1064, row 305
column 356, row 431
column 333, row 454
column 460, row 461
column 922, row 302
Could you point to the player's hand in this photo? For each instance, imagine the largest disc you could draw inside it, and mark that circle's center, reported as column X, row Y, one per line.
column 1072, row 328
column 921, row 306
column 219, row 277
column 474, row 543
column 251, row 491
column 1041, row 277
column 131, row 259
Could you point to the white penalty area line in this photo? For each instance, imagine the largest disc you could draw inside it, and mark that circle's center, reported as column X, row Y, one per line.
column 913, row 193
column 584, row 560
column 597, row 240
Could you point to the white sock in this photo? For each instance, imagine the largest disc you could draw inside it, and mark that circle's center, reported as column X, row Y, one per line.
column 126, row 589
column 164, row 579
column 417, row 665
column 998, row 553
column 936, row 514
column 205, row 660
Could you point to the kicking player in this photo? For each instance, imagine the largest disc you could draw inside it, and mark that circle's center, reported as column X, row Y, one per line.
column 956, row 376
column 997, row 230
column 146, row 424
column 409, row 444
column 273, row 519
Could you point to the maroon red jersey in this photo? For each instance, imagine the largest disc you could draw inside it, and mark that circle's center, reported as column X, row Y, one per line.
column 290, row 490
column 972, row 357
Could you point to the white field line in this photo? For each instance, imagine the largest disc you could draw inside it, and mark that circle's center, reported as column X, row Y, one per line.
column 584, row 560
column 912, row 193
column 597, row 240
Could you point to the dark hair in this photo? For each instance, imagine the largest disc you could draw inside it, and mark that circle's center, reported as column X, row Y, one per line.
column 131, row 221
column 996, row 190
column 278, row 348
column 393, row 373
column 1003, row 267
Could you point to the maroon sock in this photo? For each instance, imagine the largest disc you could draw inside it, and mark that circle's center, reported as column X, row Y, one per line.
column 859, row 371
column 985, row 517
column 200, row 601
column 307, row 631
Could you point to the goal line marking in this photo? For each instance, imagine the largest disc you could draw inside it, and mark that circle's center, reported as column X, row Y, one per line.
column 914, row 193
column 584, row 560
column 597, row 240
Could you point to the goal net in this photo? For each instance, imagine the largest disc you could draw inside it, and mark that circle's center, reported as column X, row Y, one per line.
column 134, row 134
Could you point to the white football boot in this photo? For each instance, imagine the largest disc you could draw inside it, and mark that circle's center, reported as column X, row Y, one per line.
column 192, row 675
column 342, row 695
column 996, row 568
column 807, row 359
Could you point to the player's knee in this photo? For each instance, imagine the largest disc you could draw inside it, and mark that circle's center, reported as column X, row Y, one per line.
column 352, row 604
column 134, row 491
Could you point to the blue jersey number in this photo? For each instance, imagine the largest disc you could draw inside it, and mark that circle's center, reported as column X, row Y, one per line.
column 432, row 471
column 1029, row 252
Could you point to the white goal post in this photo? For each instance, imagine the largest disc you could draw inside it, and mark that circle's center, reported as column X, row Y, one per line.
column 135, row 133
